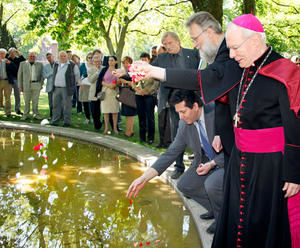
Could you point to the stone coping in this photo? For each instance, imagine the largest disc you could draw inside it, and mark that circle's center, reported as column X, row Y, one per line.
column 141, row 153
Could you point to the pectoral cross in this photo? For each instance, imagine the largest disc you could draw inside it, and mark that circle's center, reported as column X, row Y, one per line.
column 236, row 119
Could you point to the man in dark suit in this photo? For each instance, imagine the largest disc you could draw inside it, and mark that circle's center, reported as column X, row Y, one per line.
column 175, row 57
column 203, row 181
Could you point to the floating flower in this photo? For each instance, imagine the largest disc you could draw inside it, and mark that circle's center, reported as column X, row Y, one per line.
column 130, row 201
column 147, row 243
column 45, row 157
column 157, row 241
column 41, row 144
column 135, row 244
column 43, row 172
column 36, row 148
column 141, row 244
column 114, row 82
column 116, row 159
column 63, row 149
column 52, row 136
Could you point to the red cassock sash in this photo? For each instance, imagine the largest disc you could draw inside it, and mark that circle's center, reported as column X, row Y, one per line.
column 265, row 141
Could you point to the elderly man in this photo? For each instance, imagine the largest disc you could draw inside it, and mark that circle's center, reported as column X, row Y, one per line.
column 17, row 58
column 264, row 171
column 7, row 71
column 203, row 181
column 176, row 57
column 30, row 81
column 65, row 77
column 48, row 75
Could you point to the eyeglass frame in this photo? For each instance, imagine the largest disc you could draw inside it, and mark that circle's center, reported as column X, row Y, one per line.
column 240, row 45
column 194, row 40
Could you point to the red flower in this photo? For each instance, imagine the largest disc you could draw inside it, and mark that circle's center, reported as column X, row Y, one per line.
column 141, row 244
column 147, row 243
column 36, row 148
column 116, row 159
column 130, row 201
column 45, row 158
column 114, row 82
column 41, row 144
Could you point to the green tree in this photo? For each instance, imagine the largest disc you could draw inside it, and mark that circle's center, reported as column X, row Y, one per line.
column 215, row 7
column 6, row 39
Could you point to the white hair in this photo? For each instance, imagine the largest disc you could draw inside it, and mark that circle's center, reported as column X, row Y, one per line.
column 247, row 33
column 3, row 50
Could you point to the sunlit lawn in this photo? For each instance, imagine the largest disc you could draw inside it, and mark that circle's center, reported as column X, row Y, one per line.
column 78, row 121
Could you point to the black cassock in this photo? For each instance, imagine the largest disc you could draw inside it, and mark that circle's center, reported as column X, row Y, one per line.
column 254, row 212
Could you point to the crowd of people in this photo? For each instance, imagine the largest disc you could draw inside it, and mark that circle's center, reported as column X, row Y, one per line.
column 245, row 141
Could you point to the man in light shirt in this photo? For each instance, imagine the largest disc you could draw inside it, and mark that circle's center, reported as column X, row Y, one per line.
column 65, row 78
column 30, row 80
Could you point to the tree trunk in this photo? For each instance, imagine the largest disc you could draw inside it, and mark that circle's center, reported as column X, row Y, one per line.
column 249, row 7
column 214, row 7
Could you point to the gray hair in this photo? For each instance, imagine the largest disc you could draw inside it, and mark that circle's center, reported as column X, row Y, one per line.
column 96, row 57
column 3, row 50
column 172, row 34
column 205, row 20
column 12, row 50
column 62, row 52
column 247, row 33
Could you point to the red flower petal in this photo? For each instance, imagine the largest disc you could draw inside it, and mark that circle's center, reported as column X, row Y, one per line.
column 46, row 158
column 41, row 144
column 130, row 201
column 147, row 243
column 114, row 82
column 116, row 159
column 141, row 244
column 36, row 148
column 63, row 149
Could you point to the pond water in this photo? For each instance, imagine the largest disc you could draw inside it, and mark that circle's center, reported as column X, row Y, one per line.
column 57, row 192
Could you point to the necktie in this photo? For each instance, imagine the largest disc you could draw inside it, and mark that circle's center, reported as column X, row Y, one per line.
column 206, row 146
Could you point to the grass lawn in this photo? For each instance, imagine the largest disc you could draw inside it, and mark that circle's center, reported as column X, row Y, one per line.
column 78, row 121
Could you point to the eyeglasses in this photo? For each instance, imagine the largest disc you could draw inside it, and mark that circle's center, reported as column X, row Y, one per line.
column 195, row 38
column 235, row 48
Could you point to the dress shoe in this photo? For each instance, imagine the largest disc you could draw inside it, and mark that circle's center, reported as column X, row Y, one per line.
column 19, row 112
column 37, row 117
column 212, row 228
column 161, row 146
column 207, row 216
column 176, row 174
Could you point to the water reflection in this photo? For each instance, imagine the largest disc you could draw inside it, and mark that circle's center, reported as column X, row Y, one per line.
column 75, row 197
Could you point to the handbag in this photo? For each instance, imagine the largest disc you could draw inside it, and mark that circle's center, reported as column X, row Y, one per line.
column 127, row 97
column 101, row 95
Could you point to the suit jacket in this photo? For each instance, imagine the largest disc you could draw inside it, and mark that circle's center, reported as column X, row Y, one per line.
column 187, row 135
column 191, row 58
column 24, row 78
column 11, row 70
column 221, row 70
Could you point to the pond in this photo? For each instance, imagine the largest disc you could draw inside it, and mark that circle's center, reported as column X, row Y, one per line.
column 57, row 192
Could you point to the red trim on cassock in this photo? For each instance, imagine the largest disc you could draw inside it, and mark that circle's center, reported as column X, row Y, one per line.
column 292, row 145
column 222, row 98
column 200, row 84
column 286, row 72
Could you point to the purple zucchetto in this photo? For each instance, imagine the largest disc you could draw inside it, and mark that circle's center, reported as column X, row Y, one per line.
column 250, row 22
